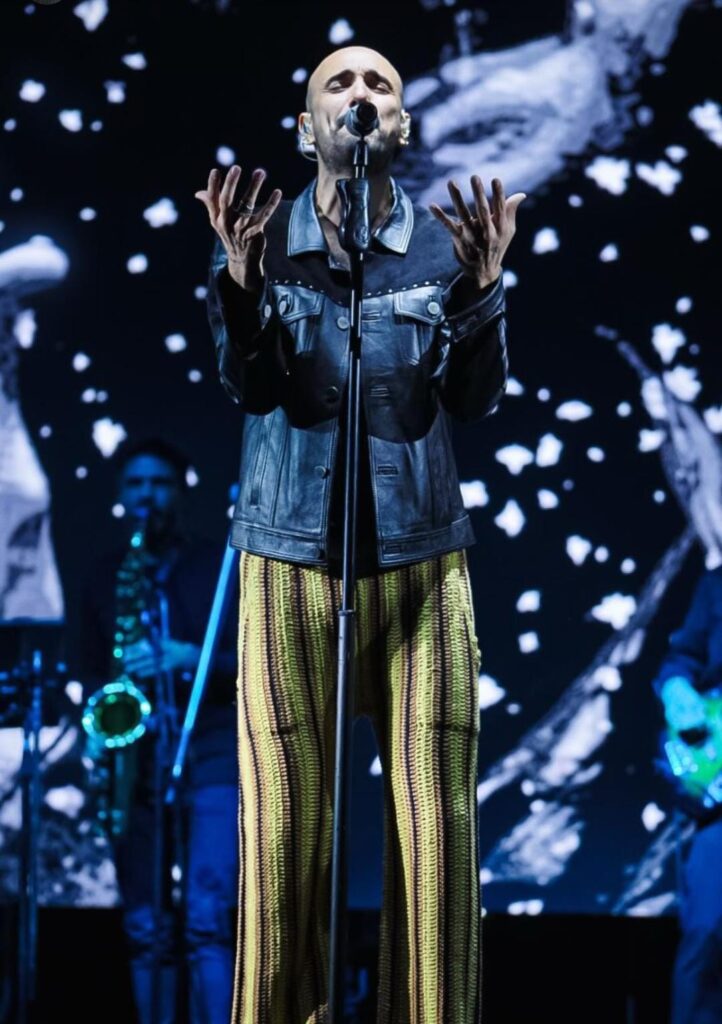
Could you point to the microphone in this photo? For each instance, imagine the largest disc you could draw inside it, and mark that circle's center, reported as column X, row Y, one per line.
column 361, row 119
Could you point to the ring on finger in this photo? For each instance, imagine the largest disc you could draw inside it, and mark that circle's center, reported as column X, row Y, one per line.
column 245, row 209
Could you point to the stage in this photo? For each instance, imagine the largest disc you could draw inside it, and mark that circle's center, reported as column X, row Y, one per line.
column 565, row 968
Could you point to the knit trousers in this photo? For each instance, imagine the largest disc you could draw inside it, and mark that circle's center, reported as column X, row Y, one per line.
column 417, row 679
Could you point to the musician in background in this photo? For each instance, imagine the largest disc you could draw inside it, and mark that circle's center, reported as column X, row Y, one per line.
column 691, row 672
column 152, row 481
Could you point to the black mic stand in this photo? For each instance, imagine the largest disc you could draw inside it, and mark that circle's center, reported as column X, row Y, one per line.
column 157, row 620
column 355, row 238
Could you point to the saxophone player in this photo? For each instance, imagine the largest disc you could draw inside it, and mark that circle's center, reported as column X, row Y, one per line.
column 117, row 597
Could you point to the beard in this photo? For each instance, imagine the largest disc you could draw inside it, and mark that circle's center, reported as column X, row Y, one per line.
column 337, row 152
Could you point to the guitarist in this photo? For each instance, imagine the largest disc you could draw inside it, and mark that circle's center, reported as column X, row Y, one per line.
column 691, row 672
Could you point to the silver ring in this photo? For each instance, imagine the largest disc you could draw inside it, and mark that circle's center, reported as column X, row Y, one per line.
column 245, row 209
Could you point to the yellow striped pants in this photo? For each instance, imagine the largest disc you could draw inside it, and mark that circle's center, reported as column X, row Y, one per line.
column 417, row 679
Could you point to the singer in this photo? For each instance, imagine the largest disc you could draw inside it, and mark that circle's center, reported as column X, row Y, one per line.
column 433, row 347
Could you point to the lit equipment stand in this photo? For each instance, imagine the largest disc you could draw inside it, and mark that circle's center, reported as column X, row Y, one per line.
column 22, row 692
column 355, row 237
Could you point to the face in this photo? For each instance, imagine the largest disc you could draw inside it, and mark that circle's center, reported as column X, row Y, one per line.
column 347, row 77
column 149, row 485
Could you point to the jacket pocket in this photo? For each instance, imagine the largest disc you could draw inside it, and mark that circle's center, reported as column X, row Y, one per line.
column 299, row 310
column 421, row 311
column 259, row 461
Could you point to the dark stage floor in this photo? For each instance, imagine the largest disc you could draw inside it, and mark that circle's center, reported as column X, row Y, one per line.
column 553, row 968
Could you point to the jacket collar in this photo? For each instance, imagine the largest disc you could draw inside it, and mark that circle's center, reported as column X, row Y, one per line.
column 305, row 233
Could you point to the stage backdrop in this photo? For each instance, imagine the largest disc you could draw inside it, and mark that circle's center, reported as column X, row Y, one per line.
column 594, row 489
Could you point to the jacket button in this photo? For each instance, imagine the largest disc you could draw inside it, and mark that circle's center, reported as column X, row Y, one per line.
column 342, row 323
column 331, row 394
column 321, row 471
column 284, row 305
column 434, row 307
column 267, row 310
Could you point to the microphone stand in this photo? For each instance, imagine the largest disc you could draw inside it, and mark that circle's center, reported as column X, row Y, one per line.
column 355, row 238
column 165, row 728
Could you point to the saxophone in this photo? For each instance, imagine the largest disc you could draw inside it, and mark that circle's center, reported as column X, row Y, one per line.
column 116, row 716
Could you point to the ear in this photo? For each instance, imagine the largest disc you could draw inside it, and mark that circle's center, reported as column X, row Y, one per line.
column 405, row 136
column 305, row 136
column 305, row 127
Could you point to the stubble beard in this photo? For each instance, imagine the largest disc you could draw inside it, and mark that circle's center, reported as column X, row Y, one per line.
column 337, row 155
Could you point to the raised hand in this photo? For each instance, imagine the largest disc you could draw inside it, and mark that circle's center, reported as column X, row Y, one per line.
column 240, row 226
column 481, row 238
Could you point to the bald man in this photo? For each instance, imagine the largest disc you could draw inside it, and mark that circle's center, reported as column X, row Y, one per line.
column 433, row 347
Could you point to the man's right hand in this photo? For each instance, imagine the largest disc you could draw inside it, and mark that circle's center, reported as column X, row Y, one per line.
column 684, row 708
column 240, row 226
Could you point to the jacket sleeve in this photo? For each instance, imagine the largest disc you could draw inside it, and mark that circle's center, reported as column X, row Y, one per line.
column 688, row 646
column 238, row 321
column 473, row 371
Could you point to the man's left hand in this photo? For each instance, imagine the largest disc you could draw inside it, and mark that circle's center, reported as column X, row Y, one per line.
column 481, row 238
column 143, row 661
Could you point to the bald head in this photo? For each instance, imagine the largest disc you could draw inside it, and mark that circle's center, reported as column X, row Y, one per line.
column 349, row 62
column 345, row 78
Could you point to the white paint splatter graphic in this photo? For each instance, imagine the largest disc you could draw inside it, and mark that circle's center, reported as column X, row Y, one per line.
column 161, row 213
column 661, row 176
column 546, row 240
column 340, row 32
column 474, row 494
column 529, row 601
column 515, row 457
column 615, row 609
column 32, row 91
column 609, row 173
column 71, row 120
column 708, row 118
column 578, row 548
column 548, row 451
column 511, row 519
column 92, row 13
column 574, row 411
column 107, row 435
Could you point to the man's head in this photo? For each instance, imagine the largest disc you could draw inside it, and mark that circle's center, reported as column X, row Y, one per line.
column 346, row 77
column 151, row 482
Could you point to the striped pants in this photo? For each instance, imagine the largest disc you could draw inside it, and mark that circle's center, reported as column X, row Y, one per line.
column 418, row 664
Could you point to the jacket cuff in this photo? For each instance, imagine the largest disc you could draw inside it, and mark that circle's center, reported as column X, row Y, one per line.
column 244, row 314
column 468, row 309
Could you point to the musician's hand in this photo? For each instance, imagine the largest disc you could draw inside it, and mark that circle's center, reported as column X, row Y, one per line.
column 684, row 708
column 481, row 238
column 142, row 661
column 240, row 226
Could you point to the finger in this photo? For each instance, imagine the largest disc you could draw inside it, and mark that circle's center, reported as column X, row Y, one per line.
column 512, row 205
column 462, row 210
column 251, row 194
column 264, row 215
column 229, row 188
column 451, row 225
column 499, row 201
column 214, row 187
column 482, row 204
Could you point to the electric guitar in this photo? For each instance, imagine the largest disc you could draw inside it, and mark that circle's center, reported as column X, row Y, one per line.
column 694, row 756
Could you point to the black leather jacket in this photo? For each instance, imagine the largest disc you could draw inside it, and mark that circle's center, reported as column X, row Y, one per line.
column 432, row 346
